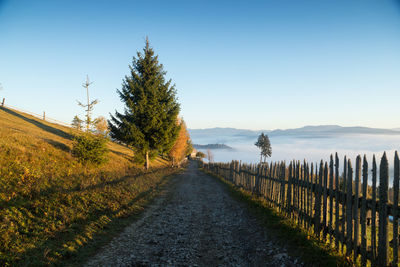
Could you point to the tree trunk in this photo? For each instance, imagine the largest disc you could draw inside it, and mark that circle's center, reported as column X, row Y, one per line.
column 147, row 160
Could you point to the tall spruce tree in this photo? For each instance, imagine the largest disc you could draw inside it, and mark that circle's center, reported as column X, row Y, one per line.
column 149, row 122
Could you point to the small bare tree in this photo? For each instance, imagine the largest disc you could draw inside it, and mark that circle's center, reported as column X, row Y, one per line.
column 101, row 125
column 89, row 106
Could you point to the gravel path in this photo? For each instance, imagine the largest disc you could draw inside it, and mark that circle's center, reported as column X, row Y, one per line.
column 194, row 223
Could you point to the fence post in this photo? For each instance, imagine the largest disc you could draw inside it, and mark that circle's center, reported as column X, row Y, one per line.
column 317, row 206
column 364, row 212
column 383, row 216
column 325, row 201
column 311, row 186
column 2, row 103
column 344, row 194
column 355, row 216
column 44, row 115
column 330, row 227
column 349, row 214
column 337, row 191
column 395, row 210
column 373, row 214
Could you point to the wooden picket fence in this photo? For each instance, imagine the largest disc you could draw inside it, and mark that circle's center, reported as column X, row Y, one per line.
column 342, row 209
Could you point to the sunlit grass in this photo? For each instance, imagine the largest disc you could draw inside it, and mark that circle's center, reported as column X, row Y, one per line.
column 50, row 204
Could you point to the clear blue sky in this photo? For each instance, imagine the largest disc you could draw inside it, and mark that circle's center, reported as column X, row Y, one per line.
column 244, row 64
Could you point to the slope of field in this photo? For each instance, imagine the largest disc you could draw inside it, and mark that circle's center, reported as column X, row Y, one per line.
column 50, row 204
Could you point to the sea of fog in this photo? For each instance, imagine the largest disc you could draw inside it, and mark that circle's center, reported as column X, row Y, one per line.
column 312, row 149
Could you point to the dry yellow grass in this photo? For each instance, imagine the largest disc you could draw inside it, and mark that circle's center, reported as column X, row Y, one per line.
column 50, row 204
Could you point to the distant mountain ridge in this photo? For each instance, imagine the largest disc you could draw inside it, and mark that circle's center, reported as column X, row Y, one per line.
column 212, row 146
column 306, row 131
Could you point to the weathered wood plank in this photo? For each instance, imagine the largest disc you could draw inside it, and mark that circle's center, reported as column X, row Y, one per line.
column 289, row 192
column 330, row 199
column 325, row 201
column 312, row 196
column 364, row 212
column 373, row 214
column 343, row 237
column 356, row 217
column 383, row 245
column 396, row 178
column 349, row 212
column 337, row 215
column 301, row 195
column 317, row 206
column 307, row 195
column 283, row 191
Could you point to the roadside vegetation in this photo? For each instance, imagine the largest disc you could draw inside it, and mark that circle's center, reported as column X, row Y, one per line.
column 61, row 188
column 51, row 204
column 299, row 242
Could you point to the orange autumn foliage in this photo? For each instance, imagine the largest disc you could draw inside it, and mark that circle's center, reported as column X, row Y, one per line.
column 177, row 152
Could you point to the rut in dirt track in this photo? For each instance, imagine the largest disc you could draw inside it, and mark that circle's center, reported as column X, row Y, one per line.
column 195, row 222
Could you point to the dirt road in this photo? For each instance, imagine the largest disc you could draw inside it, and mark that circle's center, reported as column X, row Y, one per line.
column 194, row 223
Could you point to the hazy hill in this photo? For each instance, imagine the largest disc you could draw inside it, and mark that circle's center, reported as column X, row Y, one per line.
column 212, row 146
column 223, row 135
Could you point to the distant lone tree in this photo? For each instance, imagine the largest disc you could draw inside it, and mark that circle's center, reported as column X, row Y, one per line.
column 77, row 123
column 264, row 145
column 149, row 122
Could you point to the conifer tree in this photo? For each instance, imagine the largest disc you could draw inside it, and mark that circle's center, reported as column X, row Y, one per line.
column 77, row 123
column 149, row 122
column 264, row 145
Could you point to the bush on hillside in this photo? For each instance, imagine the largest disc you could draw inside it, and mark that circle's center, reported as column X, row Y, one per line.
column 89, row 148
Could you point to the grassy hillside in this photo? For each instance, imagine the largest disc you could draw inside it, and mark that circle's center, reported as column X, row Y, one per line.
column 50, row 204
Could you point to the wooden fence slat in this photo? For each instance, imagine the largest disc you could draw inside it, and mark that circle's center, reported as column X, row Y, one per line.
column 325, row 201
column 396, row 178
column 307, row 196
column 296, row 191
column 363, row 214
column 383, row 245
column 318, row 201
column 337, row 191
column 349, row 213
column 330, row 199
column 283, row 179
column 304, row 208
column 301, row 195
column 373, row 214
column 278, row 184
column 312, row 182
column 289, row 192
column 344, row 200
column 355, row 211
